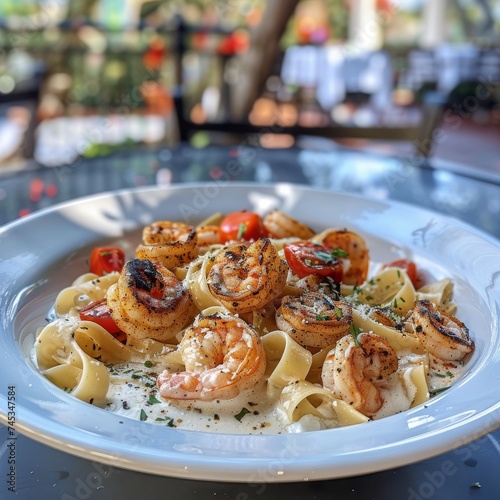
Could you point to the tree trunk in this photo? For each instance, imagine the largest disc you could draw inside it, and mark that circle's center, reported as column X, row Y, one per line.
column 256, row 63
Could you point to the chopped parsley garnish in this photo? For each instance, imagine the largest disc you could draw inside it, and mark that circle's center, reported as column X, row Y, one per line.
column 324, row 256
column 331, row 256
column 438, row 391
column 241, row 414
column 241, row 231
column 339, row 313
column 168, row 420
column 143, row 416
column 355, row 331
column 322, row 317
column 338, row 253
column 148, row 364
column 395, row 302
column 153, row 401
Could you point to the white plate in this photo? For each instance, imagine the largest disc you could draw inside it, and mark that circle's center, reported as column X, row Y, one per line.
column 43, row 253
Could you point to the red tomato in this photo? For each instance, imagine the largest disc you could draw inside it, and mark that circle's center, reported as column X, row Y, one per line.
column 306, row 257
column 98, row 312
column 241, row 226
column 104, row 260
column 409, row 266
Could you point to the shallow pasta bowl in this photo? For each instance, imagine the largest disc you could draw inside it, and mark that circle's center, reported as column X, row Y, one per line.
column 41, row 254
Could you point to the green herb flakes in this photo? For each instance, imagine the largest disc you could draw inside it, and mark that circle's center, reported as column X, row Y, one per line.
column 355, row 331
column 322, row 317
column 152, row 400
column 241, row 414
column 168, row 421
column 241, row 231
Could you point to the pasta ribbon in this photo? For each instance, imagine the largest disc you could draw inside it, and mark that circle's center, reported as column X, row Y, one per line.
column 303, row 398
column 287, row 361
column 96, row 342
column 87, row 288
column 413, row 373
column 399, row 340
column 440, row 293
column 66, row 365
column 314, row 375
column 196, row 280
column 346, row 414
column 390, row 288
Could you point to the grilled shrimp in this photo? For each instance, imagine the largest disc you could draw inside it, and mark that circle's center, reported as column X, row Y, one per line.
column 441, row 333
column 208, row 235
column 314, row 319
column 222, row 356
column 355, row 368
column 172, row 244
column 149, row 301
column 280, row 225
column 356, row 249
column 245, row 277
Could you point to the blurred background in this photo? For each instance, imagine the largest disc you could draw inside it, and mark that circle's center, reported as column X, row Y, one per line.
column 89, row 78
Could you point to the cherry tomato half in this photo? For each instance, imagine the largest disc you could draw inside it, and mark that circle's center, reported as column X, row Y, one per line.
column 104, row 260
column 98, row 312
column 410, row 267
column 241, row 226
column 306, row 257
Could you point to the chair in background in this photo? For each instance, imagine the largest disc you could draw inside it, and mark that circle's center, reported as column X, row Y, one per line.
column 421, row 136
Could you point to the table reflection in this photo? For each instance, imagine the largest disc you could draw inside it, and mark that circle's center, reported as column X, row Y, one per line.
column 459, row 193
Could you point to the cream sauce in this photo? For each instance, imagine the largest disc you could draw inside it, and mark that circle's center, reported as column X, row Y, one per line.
column 443, row 374
column 133, row 394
